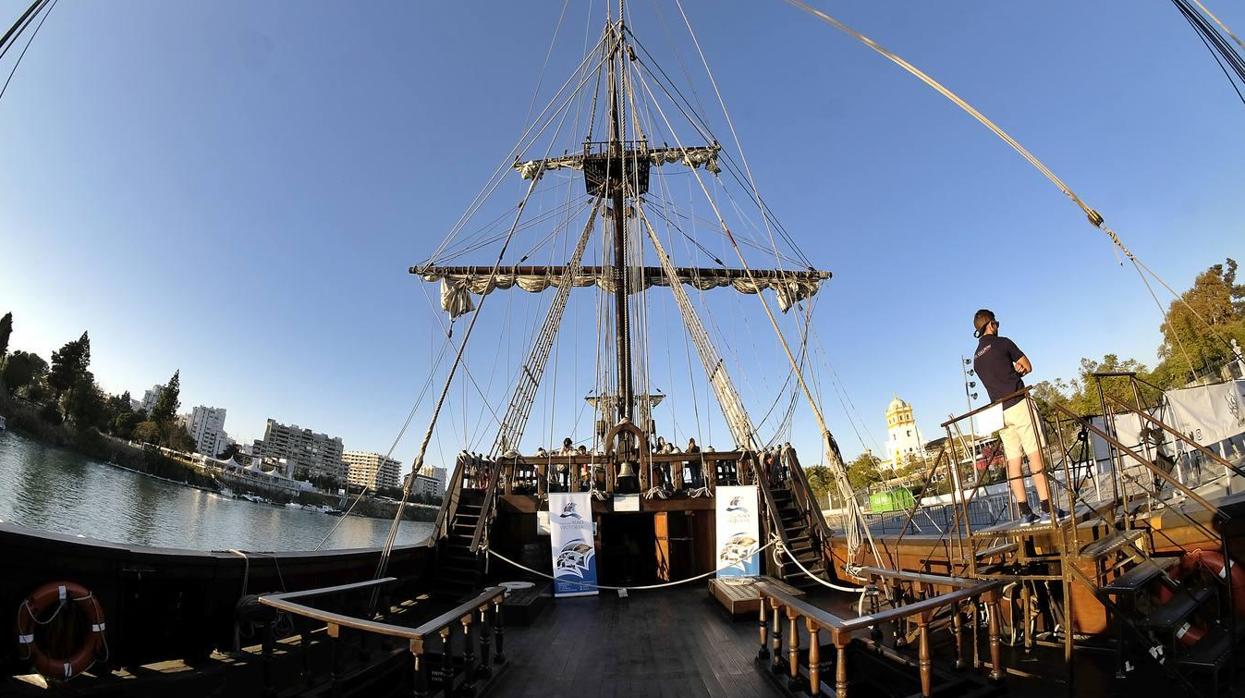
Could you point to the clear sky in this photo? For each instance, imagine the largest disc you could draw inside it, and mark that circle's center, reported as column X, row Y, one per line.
column 236, row 189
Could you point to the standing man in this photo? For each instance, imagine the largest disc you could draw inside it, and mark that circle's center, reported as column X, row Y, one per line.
column 1000, row 365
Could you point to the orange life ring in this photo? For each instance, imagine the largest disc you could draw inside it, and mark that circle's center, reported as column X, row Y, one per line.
column 1213, row 564
column 54, row 595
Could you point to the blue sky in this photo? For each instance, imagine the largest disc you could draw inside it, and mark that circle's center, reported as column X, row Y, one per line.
column 236, row 189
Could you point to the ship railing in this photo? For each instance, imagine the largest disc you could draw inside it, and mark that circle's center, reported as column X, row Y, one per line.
column 442, row 664
column 583, row 472
column 780, row 647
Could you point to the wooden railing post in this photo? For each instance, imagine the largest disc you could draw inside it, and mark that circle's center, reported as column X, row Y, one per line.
column 420, row 669
column 924, row 662
column 447, row 663
column 996, row 654
column 486, row 666
column 793, row 651
column 269, row 640
column 469, row 653
column 499, row 631
column 957, row 629
column 814, row 658
column 763, row 625
column 776, row 638
column 840, row 663
column 333, row 631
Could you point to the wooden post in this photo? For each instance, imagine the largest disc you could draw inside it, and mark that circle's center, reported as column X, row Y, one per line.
column 333, row 631
column 814, row 658
column 840, row 664
column 923, row 655
column 499, row 632
column 793, row 651
column 269, row 640
column 447, row 663
column 486, row 666
column 976, row 609
column 776, row 638
column 469, row 652
column 763, row 626
column 957, row 629
column 996, row 654
column 421, row 669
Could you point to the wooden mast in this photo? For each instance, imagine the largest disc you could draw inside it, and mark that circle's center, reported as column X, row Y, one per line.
column 618, row 159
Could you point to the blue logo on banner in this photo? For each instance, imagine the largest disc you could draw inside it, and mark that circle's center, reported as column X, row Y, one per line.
column 575, row 568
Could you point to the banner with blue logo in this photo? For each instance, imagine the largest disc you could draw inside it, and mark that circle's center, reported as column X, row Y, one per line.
column 570, row 535
column 738, row 530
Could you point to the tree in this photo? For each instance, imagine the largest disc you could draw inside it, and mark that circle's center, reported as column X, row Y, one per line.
column 85, row 404
column 177, row 438
column 147, row 432
column 23, row 370
column 230, row 451
column 69, row 365
column 124, row 422
column 1199, row 326
column 6, row 329
column 821, row 480
column 864, row 471
column 169, row 400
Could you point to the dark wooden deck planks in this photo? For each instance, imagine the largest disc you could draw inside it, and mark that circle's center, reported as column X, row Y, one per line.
column 660, row 643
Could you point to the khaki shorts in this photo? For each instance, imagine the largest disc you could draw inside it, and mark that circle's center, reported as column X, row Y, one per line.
column 1018, row 433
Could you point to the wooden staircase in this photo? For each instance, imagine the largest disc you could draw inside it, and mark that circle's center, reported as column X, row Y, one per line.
column 799, row 541
column 459, row 569
column 793, row 516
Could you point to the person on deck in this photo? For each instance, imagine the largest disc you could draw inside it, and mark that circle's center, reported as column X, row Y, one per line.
column 693, row 465
column 1000, row 365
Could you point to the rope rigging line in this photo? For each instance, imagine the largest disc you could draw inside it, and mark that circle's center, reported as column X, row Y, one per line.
column 50, row 6
column 383, row 563
column 856, row 526
column 19, row 26
column 1219, row 49
column 1216, row 20
column 1092, row 215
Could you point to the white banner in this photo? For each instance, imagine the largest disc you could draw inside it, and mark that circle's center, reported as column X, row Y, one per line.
column 1210, row 413
column 570, row 536
column 738, row 532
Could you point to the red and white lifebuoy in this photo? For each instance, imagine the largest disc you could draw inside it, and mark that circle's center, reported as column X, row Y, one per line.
column 40, row 608
column 1213, row 564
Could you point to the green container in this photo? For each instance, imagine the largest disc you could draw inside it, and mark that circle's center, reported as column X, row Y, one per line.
column 897, row 499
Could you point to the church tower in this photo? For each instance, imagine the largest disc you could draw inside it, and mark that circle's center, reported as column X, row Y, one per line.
column 902, row 437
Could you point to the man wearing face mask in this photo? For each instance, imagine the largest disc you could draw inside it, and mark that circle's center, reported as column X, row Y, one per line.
column 1000, row 365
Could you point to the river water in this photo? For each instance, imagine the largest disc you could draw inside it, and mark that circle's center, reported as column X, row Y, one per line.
column 59, row 490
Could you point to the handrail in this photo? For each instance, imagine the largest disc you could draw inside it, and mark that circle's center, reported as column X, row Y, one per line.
column 812, row 511
column 486, row 507
column 777, row 603
column 763, row 482
column 1023, row 391
column 416, row 636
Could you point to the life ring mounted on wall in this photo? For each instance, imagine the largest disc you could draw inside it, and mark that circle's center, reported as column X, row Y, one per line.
column 40, row 609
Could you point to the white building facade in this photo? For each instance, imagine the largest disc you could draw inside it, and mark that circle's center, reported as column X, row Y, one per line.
column 372, row 470
column 151, row 397
column 434, row 473
column 207, row 427
column 312, row 454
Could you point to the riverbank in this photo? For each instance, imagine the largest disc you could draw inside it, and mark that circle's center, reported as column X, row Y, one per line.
column 24, row 418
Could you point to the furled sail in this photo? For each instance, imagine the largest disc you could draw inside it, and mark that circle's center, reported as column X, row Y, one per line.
column 705, row 156
column 459, row 283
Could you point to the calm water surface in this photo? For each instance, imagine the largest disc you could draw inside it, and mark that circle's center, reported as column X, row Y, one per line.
column 62, row 491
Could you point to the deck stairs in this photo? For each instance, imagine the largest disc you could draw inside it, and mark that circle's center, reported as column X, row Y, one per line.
column 460, row 569
column 791, row 514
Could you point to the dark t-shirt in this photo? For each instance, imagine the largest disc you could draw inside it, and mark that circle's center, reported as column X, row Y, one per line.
column 995, row 363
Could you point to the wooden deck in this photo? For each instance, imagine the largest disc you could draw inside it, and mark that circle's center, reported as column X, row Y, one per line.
column 672, row 642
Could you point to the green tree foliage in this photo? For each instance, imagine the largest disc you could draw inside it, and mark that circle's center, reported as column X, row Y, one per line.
column 23, row 371
column 69, row 365
column 864, row 471
column 1187, row 339
column 169, row 400
column 177, row 438
column 124, row 422
column 821, row 481
column 147, row 432
column 85, row 403
column 6, row 330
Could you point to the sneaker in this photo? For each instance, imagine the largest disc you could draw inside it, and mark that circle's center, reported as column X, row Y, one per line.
column 1045, row 518
column 1027, row 519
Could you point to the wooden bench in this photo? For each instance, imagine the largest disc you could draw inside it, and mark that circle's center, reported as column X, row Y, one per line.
column 741, row 596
